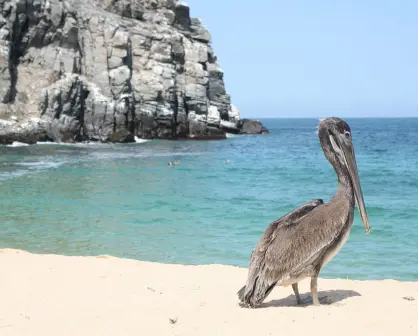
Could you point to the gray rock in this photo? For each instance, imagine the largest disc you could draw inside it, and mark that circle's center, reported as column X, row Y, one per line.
column 182, row 15
column 127, row 8
column 214, row 117
column 233, row 114
column 30, row 131
column 109, row 70
column 199, row 33
column 230, row 127
column 249, row 126
column 122, row 136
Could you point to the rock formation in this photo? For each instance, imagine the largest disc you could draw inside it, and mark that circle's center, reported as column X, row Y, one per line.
column 109, row 70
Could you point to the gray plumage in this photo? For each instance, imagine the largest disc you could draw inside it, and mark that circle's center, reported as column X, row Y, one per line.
column 300, row 243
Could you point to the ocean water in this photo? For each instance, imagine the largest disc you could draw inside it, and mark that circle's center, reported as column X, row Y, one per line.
column 126, row 201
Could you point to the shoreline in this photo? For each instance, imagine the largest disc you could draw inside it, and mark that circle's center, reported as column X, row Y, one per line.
column 245, row 268
column 17, row 144
column 47, row 294
column 34, row 130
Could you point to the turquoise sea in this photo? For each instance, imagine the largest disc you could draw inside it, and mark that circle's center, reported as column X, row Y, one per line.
column 126, row 201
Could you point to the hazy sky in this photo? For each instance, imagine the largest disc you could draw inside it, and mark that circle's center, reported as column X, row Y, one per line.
column 316, row 58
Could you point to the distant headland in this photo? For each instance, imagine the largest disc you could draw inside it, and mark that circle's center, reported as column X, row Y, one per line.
column 110, row 71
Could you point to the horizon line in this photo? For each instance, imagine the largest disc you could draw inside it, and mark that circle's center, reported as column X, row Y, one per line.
column 311, row 117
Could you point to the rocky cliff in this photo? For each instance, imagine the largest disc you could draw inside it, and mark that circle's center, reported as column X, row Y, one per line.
column 109, row 70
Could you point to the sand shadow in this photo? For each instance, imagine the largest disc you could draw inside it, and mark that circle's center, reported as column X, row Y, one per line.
column 325, row 298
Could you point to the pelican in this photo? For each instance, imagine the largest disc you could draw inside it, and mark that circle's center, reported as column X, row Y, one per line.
column 297, row 245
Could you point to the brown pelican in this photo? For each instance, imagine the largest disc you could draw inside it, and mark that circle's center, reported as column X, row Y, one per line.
column 300, row 243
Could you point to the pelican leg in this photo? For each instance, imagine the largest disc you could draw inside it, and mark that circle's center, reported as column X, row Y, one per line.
column 296, row 290
column 314, row 290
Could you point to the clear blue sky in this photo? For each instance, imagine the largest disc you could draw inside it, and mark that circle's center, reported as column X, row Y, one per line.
column 316, row 58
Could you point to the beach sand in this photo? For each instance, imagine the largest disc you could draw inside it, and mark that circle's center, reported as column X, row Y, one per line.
column 52, row 295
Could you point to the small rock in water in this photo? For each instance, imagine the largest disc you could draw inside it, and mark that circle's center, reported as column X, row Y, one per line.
column 250, row 126
column 122, row 136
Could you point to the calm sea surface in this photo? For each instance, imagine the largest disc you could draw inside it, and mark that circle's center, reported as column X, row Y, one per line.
column 124, row 200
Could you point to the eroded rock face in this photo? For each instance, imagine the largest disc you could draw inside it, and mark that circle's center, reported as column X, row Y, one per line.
column 30, row 131
column 109, row 70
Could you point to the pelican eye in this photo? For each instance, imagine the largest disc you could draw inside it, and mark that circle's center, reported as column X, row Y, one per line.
column 347, row 134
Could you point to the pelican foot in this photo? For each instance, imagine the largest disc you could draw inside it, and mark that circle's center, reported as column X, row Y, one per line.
column 299, row 301
column 303, row 302
column 321, row 301
column 309, row 301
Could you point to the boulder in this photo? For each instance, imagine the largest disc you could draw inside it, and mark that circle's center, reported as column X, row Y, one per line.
column 251, row 126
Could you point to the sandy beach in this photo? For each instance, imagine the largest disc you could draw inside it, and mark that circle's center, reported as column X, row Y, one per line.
column 58, row 295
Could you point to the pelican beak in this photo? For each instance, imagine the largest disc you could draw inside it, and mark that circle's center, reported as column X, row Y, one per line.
column 350, row 161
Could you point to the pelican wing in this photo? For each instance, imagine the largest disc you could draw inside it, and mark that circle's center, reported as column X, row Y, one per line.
column 276, row 255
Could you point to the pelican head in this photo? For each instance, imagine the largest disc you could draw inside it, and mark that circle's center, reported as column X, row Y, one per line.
column 336, row 142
